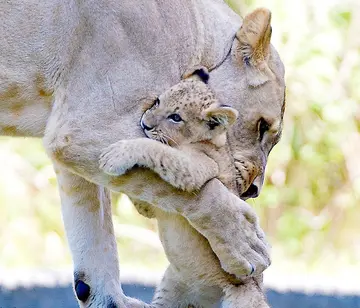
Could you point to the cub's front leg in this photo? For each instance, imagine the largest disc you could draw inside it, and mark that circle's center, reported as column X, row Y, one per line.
column 187, row 170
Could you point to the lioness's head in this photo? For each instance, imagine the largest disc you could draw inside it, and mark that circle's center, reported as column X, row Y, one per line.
column 188, row 113
column 251, row 80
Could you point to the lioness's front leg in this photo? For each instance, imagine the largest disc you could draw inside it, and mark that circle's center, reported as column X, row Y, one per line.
column 187, row 170
column 229, row 224
column 92, row 242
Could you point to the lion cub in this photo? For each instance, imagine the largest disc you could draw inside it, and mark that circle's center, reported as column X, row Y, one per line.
column 189, row 118
column 191, row 126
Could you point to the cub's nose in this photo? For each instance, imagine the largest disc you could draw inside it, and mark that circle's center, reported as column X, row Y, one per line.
column 144, row 126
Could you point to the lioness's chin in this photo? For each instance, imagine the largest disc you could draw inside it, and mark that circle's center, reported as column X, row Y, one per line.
column 251, row 192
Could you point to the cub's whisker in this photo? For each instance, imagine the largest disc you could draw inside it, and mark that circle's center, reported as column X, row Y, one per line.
column 171, row 139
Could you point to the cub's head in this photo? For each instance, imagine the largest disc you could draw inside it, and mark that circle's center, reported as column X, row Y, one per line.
column 187, row 113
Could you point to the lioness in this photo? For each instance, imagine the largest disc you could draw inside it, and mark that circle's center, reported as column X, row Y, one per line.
column 76, row 74
column 190, row 118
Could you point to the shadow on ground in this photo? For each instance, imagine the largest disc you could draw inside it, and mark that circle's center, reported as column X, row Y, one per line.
column 62, row 297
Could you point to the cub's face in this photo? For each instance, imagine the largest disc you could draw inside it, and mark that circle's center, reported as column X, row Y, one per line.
column 188, row 113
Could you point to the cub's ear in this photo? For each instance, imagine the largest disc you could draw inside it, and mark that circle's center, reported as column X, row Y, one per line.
column 201, row 73
column 254, row 46
column 220, row 116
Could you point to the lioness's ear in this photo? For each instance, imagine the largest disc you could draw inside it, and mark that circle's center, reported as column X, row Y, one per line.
column 254, row 46
column 220, row 115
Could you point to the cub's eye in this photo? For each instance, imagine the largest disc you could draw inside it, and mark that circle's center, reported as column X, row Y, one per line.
column 263, row 127
column 175, row 118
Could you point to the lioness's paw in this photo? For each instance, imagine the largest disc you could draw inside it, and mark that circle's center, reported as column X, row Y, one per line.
column 235, row 235
column 93, row 290
column 117, row 159
column 248, row 253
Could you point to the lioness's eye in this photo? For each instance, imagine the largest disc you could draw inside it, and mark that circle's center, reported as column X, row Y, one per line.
column 263, row 127
column 175, row 118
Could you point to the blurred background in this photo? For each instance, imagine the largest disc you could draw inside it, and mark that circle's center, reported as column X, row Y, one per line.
column 309, row 206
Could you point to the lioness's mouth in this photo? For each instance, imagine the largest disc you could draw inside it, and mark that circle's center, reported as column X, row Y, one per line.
column 240, row 164
column 245, row 180
column 252, row 192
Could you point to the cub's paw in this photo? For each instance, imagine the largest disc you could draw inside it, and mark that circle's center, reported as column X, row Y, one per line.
column 117, row 159
column 180, row 177
column 186, row 183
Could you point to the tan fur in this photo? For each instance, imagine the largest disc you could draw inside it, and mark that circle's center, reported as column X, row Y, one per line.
column 77, row 73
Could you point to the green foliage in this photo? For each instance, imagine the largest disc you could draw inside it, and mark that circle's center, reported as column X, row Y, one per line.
column 308, row 206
